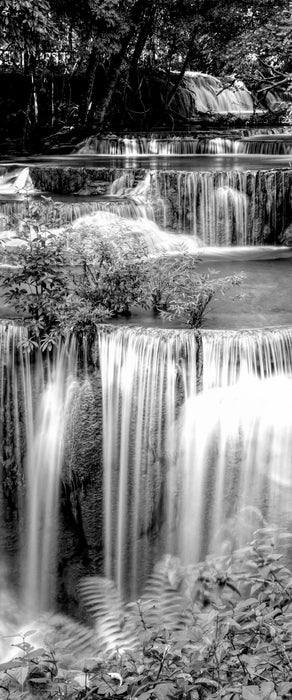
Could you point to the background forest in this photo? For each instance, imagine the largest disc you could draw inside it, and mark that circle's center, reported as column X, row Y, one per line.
column 100, row 65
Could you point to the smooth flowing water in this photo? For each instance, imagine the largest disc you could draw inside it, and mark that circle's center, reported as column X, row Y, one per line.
column 34, row 404
column 140, row 373
column 44, row 460
column 195, row 426
column 220, row 200
column 180, row 476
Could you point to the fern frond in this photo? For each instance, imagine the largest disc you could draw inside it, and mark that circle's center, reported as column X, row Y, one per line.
column 63, row 635
column 161, row 604
column 113, row 629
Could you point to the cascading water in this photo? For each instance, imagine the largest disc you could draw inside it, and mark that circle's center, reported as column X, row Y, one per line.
column 214, row 207
column 145, row 376
column 34, row 402
column 230, row 356
column 161, row 146
column 195, row 425
column 228, row 208
column 211, row 96
column 235, row 465
column 44, row 460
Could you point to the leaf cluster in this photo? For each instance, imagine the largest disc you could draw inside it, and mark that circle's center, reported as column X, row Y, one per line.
column 221, row 629
column 70, row 282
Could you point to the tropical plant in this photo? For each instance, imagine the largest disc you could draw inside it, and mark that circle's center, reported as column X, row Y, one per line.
column 199, row 291
column 220, row 629
column 109, row 277
column 102, row 284
column 39, row 284
column 169, row 277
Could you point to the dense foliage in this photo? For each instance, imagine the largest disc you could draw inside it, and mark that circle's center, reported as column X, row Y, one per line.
column 133, row 55
column 221, row 629
column 68, row 284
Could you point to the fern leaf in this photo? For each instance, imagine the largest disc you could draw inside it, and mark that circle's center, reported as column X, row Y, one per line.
column 113, row 629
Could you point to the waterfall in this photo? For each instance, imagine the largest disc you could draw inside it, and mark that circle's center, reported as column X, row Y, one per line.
column 16, row 183
column 196, row 443
column 228, row 208
column 150, row 378
column 236, row 441
column 236, row 207
column 44, row 461
column 265, row 145
column 34, row 401
column 214, row 206
column 145, row 376
column 211, row 96
column 235, row 465
column 232, row 355
column 160, row 145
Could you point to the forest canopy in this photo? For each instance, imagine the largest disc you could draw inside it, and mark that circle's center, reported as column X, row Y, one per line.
column 118, row 47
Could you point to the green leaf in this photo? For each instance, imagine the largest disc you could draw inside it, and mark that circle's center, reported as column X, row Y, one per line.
column 19, row 674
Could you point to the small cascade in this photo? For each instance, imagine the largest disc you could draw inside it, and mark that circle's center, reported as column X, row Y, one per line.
column 214, row 207
column 218, row 144
column 144, row 199
column 145, row 375
column 210, row 95
column 16, row 183
column 140, row 236
column 231, row 355
column 159, row 145
column 229, row 208
column 266, row 145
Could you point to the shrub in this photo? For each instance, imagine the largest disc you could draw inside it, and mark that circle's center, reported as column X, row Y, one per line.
column 108, row 278
column 199, row 291
column 221, row 629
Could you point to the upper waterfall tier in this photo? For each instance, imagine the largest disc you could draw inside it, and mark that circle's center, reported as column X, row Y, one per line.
column 234, row 141
column 211, row 95
column 232, row 206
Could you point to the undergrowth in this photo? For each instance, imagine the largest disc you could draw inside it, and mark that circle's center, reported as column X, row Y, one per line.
column 59, row 285
column 221, row 629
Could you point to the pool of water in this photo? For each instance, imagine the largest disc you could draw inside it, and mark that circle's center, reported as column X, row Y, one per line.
column 220, row 162
column 266, row 290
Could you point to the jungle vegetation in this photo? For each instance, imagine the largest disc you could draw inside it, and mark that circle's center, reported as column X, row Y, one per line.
column 104, row 64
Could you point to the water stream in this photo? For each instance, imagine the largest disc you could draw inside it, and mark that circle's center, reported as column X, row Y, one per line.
column 195, row 426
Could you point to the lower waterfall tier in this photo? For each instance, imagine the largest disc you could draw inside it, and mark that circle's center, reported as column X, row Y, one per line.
column 161, row 419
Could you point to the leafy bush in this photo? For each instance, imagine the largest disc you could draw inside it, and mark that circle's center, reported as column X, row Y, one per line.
column 179, row 291
column 221, row 629
column 107, row 279
column 108, row 276
column 169, row 277
column 191, row 308
column 39, row 284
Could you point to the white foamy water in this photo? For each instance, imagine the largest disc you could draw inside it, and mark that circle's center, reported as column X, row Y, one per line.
column 44, row 462
column 234, row 461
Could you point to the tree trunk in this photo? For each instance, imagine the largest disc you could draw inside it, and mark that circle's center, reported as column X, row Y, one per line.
column 183, row 69
column 86, row 103
column 115, row 68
